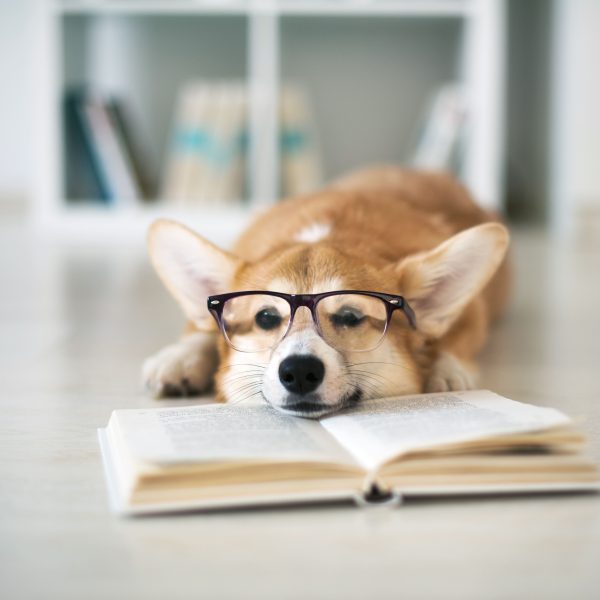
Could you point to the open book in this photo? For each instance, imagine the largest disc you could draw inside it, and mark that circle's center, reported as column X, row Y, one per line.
column 210, row 456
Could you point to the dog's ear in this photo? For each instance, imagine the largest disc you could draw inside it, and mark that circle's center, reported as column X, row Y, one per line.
column 190, row 267
column 438, row 284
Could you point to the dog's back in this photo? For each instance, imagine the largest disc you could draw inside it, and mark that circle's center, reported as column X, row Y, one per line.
column 416, row 235
column 379, row 215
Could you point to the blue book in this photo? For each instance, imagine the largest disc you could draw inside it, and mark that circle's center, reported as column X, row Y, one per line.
column 84, row 178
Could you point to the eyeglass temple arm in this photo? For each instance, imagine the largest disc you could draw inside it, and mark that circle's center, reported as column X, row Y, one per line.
column 408, row 311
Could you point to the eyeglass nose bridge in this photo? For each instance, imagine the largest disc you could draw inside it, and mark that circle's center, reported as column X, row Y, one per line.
column 307, row 301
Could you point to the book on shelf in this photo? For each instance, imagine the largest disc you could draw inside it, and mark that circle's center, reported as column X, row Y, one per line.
column 83, row 178
column 441, row 139
column 99, row 157
column 456, row 443
column 300, row 161
column 207, row 158
column 132, row 149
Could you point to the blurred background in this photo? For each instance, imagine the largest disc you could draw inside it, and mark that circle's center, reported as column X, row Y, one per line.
column 116, row 111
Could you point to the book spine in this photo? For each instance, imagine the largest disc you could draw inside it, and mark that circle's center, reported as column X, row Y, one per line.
column 82, row 179
column 376, row 496
column 301, row 169
column 106, row 191
column 126, row 140
column 442, row 131
column 114, row 164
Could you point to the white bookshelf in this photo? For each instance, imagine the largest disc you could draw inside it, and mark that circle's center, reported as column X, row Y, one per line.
column 480, row 67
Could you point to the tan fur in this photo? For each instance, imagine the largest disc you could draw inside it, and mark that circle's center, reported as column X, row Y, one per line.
column 383, row 221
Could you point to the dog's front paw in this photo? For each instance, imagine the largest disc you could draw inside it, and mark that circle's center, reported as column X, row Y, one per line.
column 449, row 374
column 182, row 369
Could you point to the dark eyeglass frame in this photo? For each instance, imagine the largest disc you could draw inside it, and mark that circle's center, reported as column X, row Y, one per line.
column 392, row 302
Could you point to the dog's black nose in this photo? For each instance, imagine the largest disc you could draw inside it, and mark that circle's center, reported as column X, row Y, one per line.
column 301, row 374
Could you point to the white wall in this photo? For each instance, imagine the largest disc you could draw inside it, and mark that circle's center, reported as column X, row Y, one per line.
column 16, row 131
column 574, row 149
column 585, row 106
column 528, row 103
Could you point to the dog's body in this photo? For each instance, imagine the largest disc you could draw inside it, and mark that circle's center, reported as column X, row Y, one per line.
column 386, row 230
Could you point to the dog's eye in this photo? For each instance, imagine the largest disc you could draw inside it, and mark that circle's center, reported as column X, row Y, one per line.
column 268, row 318
column 347, row 317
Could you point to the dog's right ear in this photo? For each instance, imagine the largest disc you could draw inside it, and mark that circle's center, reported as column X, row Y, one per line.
column 190, row 267
column 439, row 283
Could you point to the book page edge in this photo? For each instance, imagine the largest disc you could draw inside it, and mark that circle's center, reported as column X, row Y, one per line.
column 119, row 506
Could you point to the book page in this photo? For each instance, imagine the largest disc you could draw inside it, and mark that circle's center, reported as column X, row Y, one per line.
column 218, row 432
column 380, row 430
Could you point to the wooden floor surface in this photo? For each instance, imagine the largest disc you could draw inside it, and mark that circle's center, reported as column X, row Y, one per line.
column 76, row 320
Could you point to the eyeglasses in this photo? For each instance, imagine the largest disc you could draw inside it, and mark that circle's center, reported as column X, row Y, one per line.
column 348, row 320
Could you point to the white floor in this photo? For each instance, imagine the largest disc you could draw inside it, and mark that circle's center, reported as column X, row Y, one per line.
column 75, row 324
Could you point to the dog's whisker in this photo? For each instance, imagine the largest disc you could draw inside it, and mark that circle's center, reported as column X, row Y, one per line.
column 226, row 365
column 371, row 391
column 246, row 367
column 247, row 397
column 230, row 374
column 371, row 375
column 405, row 367
column 238, row 367
column 239, row 397
column 366, row 372
column 243, row 378
column 238, row 377
column 377, row 362
column 358, row 384
column 240, row 384
column 242, row 389
column 368, row 390
column 366, row 381
column 366, row 378
column 370, row 386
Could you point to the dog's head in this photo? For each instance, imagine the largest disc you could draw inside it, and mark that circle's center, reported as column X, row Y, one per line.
column 303, row 374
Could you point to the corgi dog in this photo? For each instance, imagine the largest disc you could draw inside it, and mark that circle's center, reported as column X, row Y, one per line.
column 383, row 284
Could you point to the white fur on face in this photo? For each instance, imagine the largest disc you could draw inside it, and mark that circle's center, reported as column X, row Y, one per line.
column 330, row 284
column 384, row 371
column 334, row 389
column 245, row 375
column 313, row 233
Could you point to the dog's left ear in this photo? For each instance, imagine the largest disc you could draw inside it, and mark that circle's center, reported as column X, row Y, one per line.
column 190, row 267
column 438, row 284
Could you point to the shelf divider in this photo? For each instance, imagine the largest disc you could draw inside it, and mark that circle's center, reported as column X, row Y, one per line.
column 263, row 107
